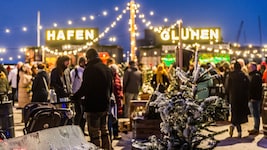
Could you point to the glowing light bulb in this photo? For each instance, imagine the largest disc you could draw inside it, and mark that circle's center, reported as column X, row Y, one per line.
column 165, row 19
column 105, row 13
column 151, row 13
column 24, row 28
column 70, row 22
column 83, row 18
column 92, row 17
column 116, row 8
column 7, row 30
column 55, row 24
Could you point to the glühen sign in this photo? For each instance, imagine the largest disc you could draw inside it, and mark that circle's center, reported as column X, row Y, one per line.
column 73, row 36
column 199, row 35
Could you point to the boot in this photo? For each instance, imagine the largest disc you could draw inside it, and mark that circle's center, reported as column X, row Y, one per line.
column 231, row 130
column 239, row 135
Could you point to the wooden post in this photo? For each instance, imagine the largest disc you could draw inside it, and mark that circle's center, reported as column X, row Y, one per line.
column 179, row 50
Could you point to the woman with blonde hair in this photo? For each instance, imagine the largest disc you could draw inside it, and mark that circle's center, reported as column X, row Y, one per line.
column 160, row 79
column 24, row 86
column 4, row 86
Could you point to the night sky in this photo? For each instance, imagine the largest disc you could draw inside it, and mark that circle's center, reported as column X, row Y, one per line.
column 227, row 14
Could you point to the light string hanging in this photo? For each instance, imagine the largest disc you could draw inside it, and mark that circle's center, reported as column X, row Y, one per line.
column 229, row 48
column 55, row 51
column 232, row 51
column 100, row 36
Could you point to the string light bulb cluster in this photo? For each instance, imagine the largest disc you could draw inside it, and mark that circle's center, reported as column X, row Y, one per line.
column 147, row 23
column 89, row 44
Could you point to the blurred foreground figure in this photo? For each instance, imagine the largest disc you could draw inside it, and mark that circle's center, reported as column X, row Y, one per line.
column 97, row 88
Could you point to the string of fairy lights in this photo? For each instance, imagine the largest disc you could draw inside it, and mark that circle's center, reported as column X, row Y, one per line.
column 250, row 51
column 216, row 48
column 101, row 35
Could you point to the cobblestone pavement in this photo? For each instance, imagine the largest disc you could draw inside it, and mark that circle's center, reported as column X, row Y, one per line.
column 257, row 142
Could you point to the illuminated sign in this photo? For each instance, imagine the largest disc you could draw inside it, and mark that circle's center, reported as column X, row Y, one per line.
column 192, row 35
column 70, row 36
column 204, row 58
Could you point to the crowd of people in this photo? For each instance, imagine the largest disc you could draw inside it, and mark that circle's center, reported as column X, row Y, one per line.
column 102, row 92
column 239, row 84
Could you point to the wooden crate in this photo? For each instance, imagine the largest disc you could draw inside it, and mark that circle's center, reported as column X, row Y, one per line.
column 145, row 96
column 142, row 129
column 134, row 104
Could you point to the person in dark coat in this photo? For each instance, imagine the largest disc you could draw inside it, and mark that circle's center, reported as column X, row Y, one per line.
column 238, row 87
column 255, row 96
column 97, row 88
column 60, row 78
column 132, row 83
column 40, row 85
column 160, row 79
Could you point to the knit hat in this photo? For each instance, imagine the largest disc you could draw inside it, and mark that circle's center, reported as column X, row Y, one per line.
column 91, row 54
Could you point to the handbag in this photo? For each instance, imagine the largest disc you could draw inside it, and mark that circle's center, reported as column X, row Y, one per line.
column 47, row 89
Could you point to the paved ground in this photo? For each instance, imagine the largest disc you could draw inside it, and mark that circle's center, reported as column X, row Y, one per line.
column 246, row 143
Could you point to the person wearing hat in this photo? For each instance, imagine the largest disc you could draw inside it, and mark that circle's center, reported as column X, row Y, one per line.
column 97, row 88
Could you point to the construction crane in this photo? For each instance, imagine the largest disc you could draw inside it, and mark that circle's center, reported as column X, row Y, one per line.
column 239, row 31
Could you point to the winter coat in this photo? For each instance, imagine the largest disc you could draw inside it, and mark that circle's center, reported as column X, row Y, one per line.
column 12, row 77
column 61, row 83
column 238, row 87
column 76, row 75
column 162, row 87
column 203, row 87
column 132, row 80
column 117, row 90
column 96, row 86
column 255, row 85
column 24, row 89
column 39, row 91
column 4, row 86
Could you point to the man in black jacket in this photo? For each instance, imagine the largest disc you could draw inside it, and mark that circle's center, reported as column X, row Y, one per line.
column 97, row 88
column 255, row 96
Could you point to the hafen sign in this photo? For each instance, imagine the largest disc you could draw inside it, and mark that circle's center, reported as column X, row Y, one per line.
column 199, row 35
column 74, row 36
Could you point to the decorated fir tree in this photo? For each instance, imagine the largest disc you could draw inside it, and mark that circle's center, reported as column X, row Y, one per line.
column 185, row 120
